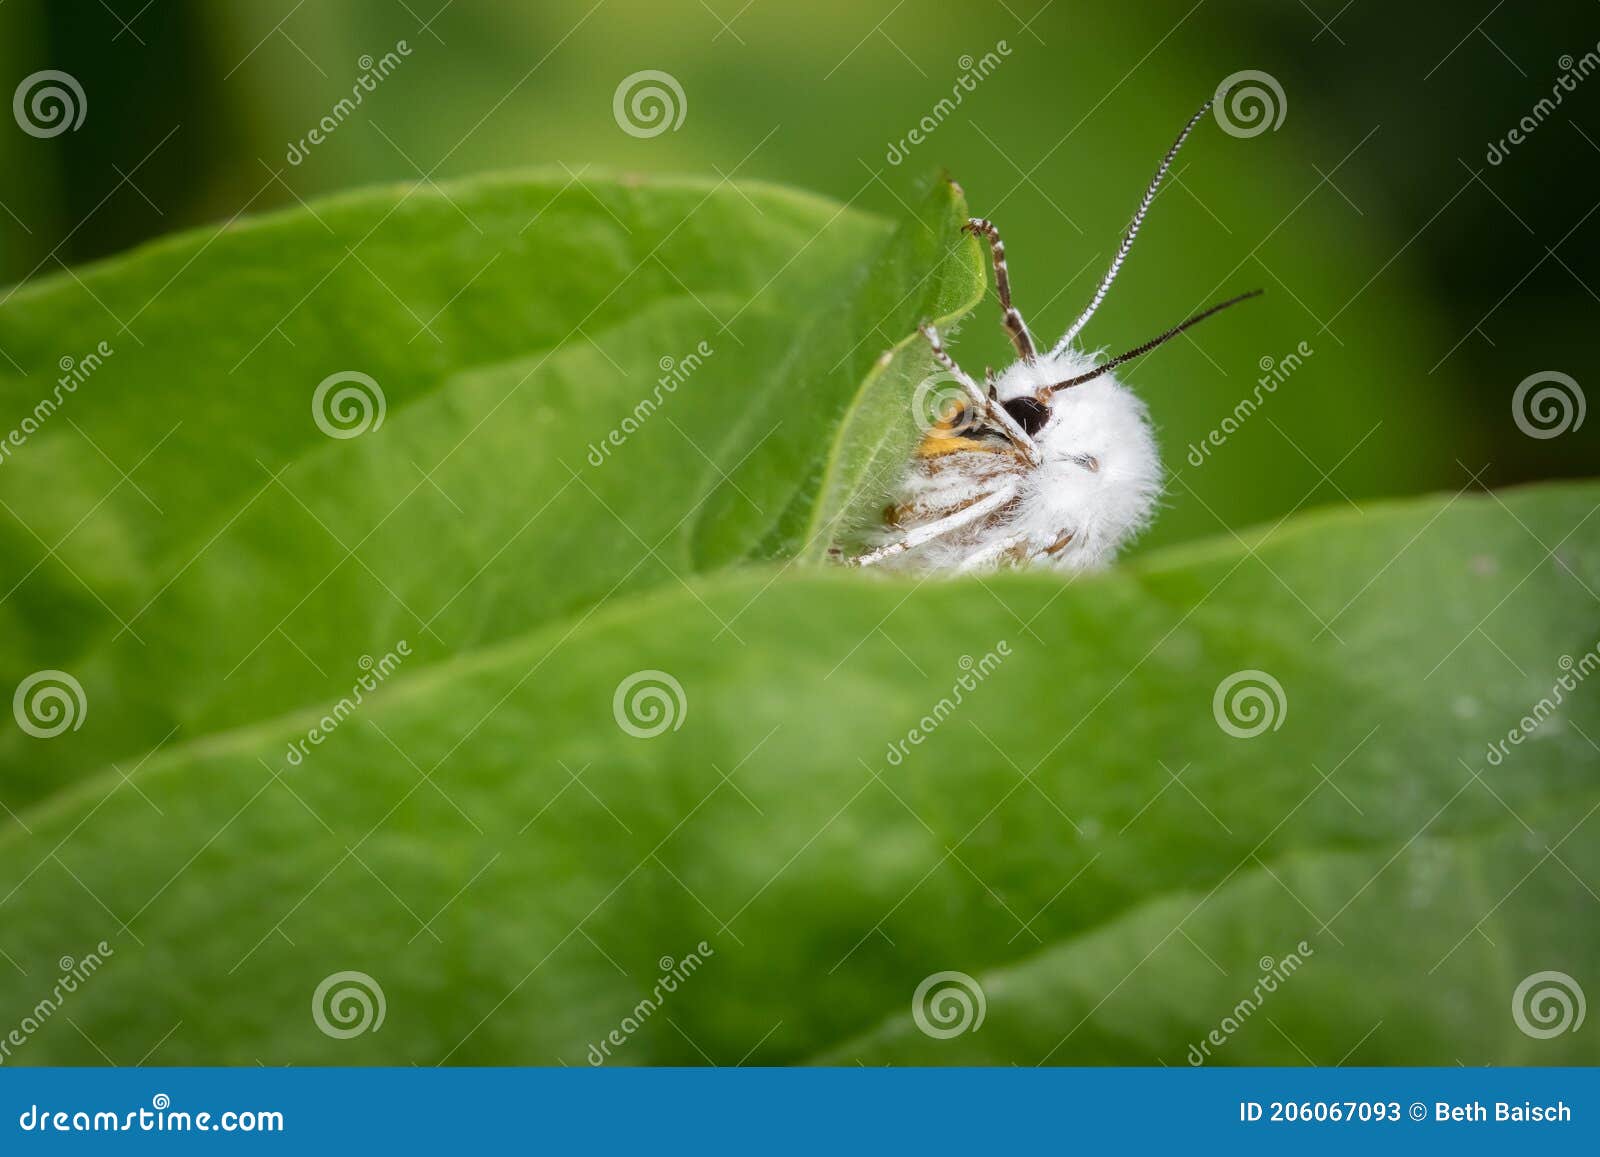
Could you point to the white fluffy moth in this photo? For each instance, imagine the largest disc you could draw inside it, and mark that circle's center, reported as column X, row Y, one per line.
column 1052, row 462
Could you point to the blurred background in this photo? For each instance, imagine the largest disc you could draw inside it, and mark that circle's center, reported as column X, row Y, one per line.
column 1427, row 263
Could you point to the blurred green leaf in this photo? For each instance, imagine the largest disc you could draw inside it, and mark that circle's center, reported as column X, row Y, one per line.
column 515, row 871
column 840, row 427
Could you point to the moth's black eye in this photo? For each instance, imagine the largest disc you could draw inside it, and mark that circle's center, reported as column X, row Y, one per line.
column 1029, row 413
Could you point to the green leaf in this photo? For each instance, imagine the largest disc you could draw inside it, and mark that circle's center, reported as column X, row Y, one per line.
column 473, row 820
column 932, row 271
column 591, row 389
column 1079, row 835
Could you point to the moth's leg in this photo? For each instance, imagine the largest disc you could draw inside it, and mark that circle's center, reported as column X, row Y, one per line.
column 1063, row 540
column 993, row 410
column 929, row 531
column 1012, row 320
column 991, row 553
column 1049, row 554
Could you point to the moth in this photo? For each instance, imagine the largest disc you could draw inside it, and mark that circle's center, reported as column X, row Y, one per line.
column 1053, row 462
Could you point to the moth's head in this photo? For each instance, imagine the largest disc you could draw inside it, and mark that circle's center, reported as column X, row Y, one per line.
column 962, row 429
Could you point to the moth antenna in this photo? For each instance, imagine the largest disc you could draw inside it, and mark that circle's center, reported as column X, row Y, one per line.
column 988, row 380
column 1132, row 231
column 1140, row 350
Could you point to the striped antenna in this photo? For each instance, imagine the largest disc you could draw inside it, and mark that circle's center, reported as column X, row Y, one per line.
column 1141, row 350
column 1133, row 231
